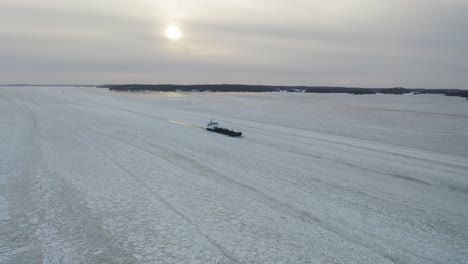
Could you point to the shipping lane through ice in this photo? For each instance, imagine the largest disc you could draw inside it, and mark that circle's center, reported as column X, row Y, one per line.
column 93, row 176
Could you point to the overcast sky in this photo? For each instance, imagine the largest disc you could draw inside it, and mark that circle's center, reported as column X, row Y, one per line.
column 368, row 43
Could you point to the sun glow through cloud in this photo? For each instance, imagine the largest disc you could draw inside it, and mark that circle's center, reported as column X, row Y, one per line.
column 173, row 33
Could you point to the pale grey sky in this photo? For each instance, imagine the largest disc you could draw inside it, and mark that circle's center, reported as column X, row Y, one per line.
column 369, row 43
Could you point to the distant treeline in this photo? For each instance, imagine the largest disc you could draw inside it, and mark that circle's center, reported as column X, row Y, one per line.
column 268, row 88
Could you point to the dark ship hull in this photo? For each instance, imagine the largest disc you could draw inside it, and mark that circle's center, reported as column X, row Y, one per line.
column 225, row 131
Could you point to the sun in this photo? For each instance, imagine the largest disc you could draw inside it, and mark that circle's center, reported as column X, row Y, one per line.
column 173, row 32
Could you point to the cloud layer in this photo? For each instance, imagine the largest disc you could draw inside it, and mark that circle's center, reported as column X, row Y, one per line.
column 370, row 43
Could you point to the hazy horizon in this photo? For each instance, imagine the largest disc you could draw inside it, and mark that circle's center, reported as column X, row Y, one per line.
column 198, row 84
column 357, row 43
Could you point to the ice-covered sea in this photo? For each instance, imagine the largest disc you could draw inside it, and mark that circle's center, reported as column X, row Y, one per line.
column 93, row 176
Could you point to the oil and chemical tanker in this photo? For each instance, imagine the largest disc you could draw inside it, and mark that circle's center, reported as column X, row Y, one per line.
column 213, row 126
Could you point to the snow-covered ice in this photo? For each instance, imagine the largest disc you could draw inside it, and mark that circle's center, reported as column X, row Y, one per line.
column 93, row 176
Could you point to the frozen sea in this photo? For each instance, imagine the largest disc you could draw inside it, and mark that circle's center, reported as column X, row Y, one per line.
column 89, row 175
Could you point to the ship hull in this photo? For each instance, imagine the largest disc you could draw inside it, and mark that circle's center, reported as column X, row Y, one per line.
column 226, row 132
